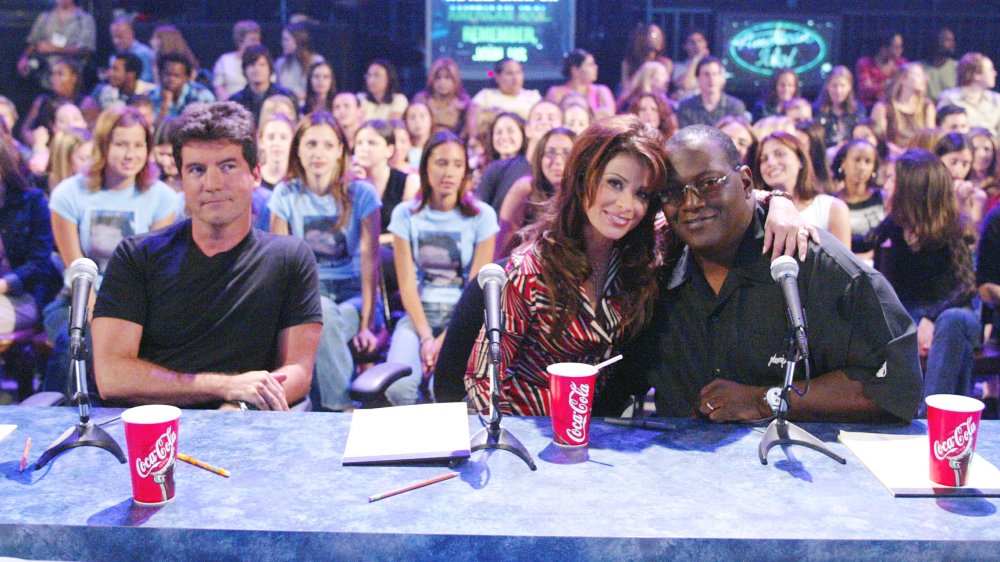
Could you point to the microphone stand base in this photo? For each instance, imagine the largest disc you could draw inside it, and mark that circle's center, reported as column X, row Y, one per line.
column 82, row 434
column 781, row 432
column 495, row 437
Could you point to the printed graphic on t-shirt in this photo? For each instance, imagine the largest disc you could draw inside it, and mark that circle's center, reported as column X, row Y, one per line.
column 440, row 259
column 327, row 243
column 108, row 227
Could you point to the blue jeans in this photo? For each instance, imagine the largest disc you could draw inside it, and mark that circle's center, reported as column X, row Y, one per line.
column 957, row 333
column 55, row 320
column 405, row 349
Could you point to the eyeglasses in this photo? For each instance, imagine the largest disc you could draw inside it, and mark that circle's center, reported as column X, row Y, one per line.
column 552, row 154
column 704, row 189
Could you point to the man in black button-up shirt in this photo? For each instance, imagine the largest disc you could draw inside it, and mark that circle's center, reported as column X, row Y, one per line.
column 718, row 339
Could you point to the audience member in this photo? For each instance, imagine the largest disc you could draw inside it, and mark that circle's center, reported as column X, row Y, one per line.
column 836, row 107
column 580, row 72
column 169, row 39
column 976, row 79
column 259, row 72
column 439, row 242
column 929, row 264
column 529, row 195
column 419, row 125
column 985, row 171
column 64, row 32
column 124, row 41
column 209, row 312
column 163, row 157
column 347, row 111
column 874, row 74
column 144, row 106
column 382, row 98
column 797, row 109
column 651, row 78
column 955, row 152
column 784, row 85
column 278, row 103
column 123, row 83
column 66, row 82
column 712, row 102
column 855, row 167
column 542, row 118
column 374, row 145
column 91, row 214
column 404, row 147
column 942, row 69
column 646, row 44
column 297, row 57
column 782, row 163
column 906, row 108
column 508, row 96
column 685, row 73
column 952, row 119
column 506, row 149
column 274, row 138
column 321, row 88
column 227, row 74
column 71, row 153
column 176, row 90
column 741, row 133
column 655, row 111
column 445, row 96
column 810, row 134
column 720, row 321
column 339, row 220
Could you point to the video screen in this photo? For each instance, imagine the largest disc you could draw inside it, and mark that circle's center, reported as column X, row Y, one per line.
column 478, row 33
column 752, row 47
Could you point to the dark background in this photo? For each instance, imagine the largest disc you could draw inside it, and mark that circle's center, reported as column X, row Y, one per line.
column 352, row 32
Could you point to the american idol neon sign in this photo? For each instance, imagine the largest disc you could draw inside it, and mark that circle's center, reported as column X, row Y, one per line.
column 765, row 47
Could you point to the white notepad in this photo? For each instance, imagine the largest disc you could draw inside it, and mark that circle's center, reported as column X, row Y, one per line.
column 424, row 432
column 902, row 464
column 6, row 430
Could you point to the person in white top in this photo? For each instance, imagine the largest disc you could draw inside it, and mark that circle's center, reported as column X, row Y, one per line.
column 292, row 68
column 382, row 98
column 227, row 74
column 509, row 95
column 783, row 164
column 976, row 79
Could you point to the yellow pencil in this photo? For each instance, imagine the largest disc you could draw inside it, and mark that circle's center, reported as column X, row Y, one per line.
column 206, row 466
column 413, row 486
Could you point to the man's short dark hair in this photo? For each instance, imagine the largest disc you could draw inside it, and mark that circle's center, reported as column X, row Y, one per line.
column 225, row 121
column 707, row 59
column 254, row 52
column 694, row 134
column 133, row 63
column 947, row 110
column 166, row 58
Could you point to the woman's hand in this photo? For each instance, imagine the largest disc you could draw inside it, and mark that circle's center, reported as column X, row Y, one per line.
column 365, row 341
column 925, row 336
column 785, row 230
column 429, row 349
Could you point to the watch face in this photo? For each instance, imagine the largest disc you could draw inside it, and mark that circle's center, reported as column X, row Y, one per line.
column 773, row 397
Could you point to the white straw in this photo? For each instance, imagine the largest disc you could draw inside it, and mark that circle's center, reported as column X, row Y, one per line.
column 604, row 364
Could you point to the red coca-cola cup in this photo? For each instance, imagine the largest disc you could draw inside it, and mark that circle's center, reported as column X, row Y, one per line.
column 571, row 398
column 952, row 427
column 151, row 437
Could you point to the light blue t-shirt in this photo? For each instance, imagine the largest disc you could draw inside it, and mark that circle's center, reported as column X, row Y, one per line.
column 314, row 217
column 104, row 218
column 443, row 243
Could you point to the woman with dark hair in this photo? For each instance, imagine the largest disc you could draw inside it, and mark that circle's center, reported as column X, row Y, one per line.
column 509, row 96
column 577, row 114
column 782, row 163
column 875, row 73
column 810, row 133
column 440, row 242
column 298, row 56
column 67, row 80
column 955, row 152
column 374, row 146
column 321, row 88
column 506, row 147
column 382, row 98
column 646, row 43
column 418, row 120
column 985, row 170
column 655, row 111
column 580, row 72
column 739, row 130
column 445, row 96
column 929, row 264
column 339, row 219
column 784, row 85
column 855, row 167
column 528, row 196
column 836, row 107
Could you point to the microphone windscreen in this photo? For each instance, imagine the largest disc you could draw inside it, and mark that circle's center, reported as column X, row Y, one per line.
column 491, row 272
column 784, row 266
column 83, row 267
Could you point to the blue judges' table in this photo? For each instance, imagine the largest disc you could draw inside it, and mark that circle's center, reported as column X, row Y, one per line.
column 696, row 491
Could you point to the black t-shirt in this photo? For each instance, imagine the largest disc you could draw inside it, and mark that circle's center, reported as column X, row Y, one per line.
column 498, row 177
column 988, row 258
column 204, row 314
column 855, row 323
column 392, row 196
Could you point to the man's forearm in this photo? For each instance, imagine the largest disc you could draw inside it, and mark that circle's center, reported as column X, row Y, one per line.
column 833, row 397
column 143, row 382
column 297, row 383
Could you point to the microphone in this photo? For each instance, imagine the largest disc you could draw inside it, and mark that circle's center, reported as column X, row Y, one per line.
column 492, row 279
column 81, row 273
column 785, row 271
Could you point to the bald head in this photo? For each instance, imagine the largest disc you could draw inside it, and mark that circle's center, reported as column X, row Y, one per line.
column 699, row 135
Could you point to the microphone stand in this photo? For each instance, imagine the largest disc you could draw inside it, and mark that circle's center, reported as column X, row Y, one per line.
column 85, row 433
column 783, row 432
column 493, row 436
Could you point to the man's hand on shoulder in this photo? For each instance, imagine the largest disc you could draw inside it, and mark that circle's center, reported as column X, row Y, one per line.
column 723, row 400
column 259, row 388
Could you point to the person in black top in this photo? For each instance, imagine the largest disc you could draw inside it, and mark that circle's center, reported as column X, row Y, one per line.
column 258, row 68
column 718, row 337
column 209, row 311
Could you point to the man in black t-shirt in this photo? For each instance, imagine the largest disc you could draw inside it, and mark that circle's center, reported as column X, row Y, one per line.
column 717, row 341
column 209, row 311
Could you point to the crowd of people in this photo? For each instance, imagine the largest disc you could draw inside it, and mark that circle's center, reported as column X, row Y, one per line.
column 401, row 200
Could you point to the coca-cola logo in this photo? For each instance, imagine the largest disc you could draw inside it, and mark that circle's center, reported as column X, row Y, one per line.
column 579, row 403
column 159, row 457
column 958, row 443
